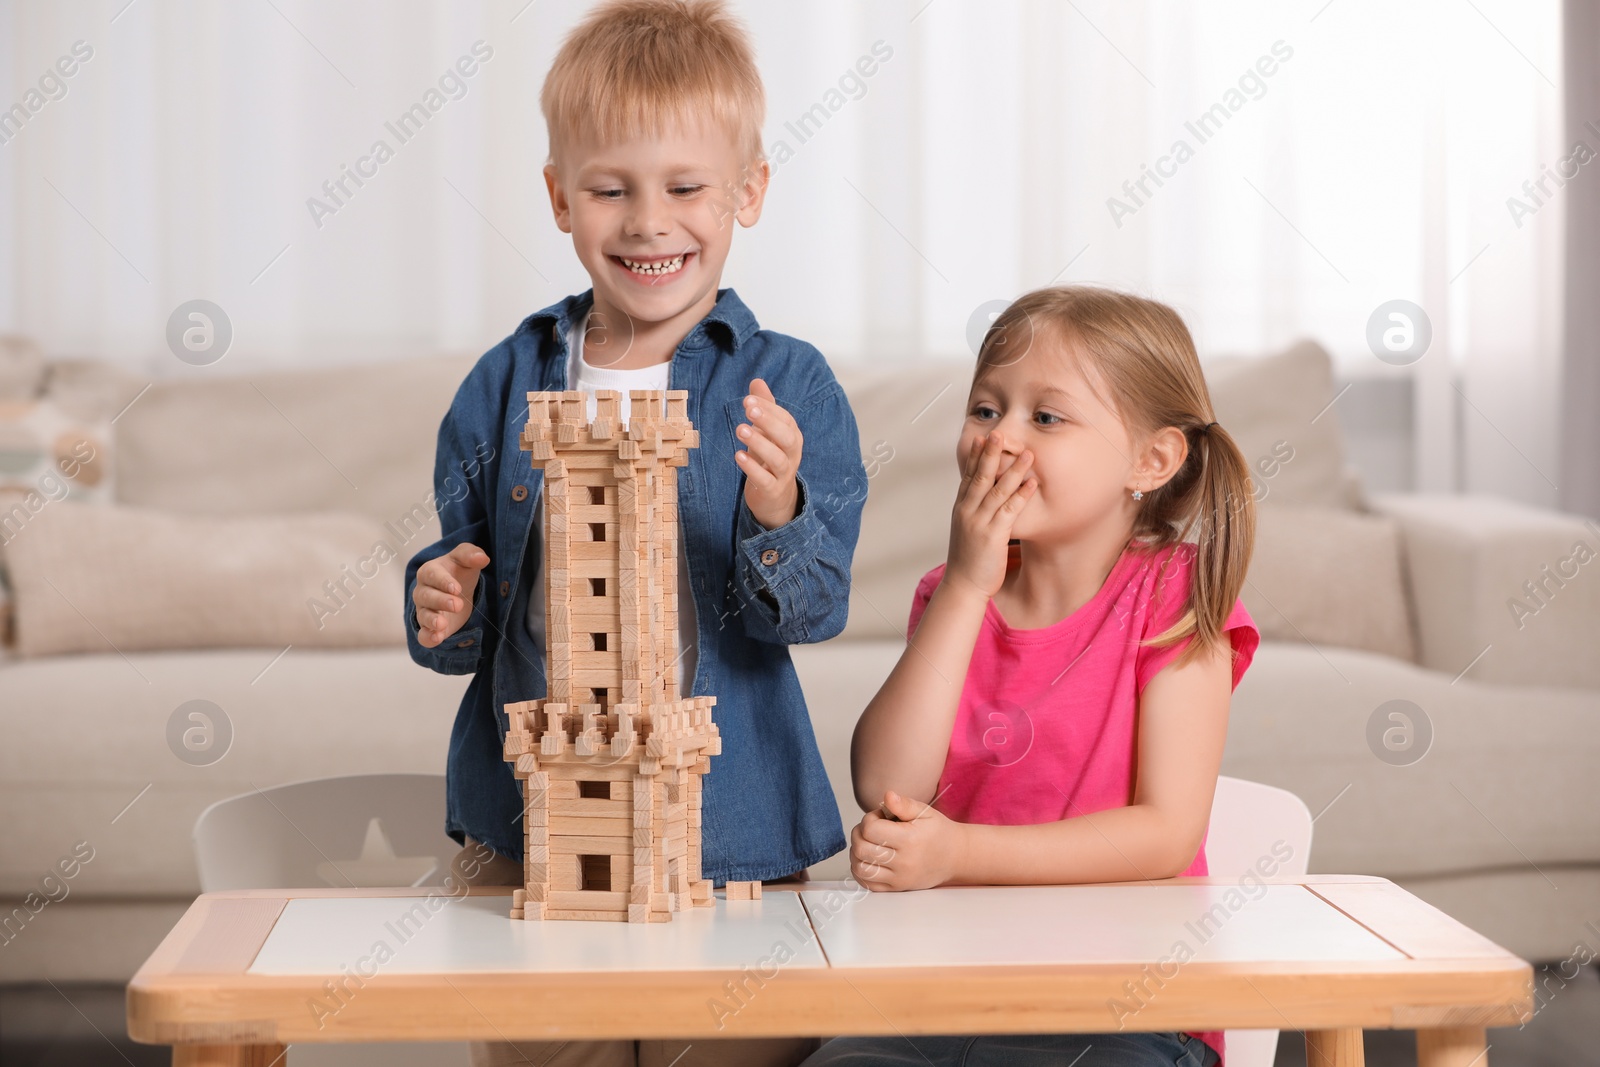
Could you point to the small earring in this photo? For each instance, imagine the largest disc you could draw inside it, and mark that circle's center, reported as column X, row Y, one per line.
column 1138, row 494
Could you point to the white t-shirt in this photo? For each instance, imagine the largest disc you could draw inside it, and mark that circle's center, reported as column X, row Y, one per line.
column 580, row 375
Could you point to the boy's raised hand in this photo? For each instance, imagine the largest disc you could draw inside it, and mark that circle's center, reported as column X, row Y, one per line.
column 987, row 506
column 443, row 594
column 771, row 457
column 917, row 847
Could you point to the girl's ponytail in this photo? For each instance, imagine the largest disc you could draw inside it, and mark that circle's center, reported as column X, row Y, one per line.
column 1221, row 519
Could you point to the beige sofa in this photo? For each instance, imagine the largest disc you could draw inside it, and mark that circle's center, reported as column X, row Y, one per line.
column 229, row 504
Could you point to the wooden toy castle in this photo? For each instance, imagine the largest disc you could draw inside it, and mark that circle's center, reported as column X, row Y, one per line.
column 611, row 758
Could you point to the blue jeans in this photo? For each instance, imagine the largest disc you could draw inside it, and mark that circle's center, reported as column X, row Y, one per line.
column 1159, row 1049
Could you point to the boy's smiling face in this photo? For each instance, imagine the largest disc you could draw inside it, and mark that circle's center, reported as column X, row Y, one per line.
column 651, row 219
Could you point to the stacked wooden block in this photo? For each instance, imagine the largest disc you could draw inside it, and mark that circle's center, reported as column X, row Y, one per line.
column 611, row 758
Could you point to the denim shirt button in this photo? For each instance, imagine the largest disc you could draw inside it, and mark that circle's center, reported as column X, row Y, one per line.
column 519, row 493
column 505, row 588
column 464, row 643
column 769, row 557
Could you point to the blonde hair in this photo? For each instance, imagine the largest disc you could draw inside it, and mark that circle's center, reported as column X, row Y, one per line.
column 1142, row 352
column 633, row 68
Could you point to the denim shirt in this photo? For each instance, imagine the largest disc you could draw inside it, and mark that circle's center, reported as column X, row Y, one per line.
column 768, row 808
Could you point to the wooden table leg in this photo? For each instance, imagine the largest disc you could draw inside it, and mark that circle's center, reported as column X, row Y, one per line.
column 1334, row 1048
column 1462, row 1046
column 229, row 1056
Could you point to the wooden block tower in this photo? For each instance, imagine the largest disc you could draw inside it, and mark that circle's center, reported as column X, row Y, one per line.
column 611, row 758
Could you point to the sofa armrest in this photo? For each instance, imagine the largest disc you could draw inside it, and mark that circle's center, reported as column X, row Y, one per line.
column 1512, row 590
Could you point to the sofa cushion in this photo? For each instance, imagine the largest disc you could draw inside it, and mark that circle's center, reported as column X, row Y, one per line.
column 48, row 453
column 95, row 579
column 1506, row 591
column 909, row 421
column 90, row 742
column 1281, row 405
column 1326, row 576
column 93, row 388
column 56, row 429
column 1460, row 800
column 358, row 438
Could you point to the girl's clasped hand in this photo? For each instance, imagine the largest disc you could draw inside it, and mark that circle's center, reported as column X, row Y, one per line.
column 913, row 847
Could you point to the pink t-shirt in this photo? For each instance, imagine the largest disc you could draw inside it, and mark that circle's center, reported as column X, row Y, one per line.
column 1046, row 728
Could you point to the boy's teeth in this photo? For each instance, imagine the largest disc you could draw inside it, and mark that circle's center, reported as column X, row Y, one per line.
column 665, row 266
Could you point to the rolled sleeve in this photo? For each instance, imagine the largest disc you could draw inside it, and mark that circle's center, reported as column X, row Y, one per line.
column 465, row 464
column 461, row 652
column 771, row 564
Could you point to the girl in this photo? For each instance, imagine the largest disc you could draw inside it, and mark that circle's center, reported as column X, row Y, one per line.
column 1060, row 711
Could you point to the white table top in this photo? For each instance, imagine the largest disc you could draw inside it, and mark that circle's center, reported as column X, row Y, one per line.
column 855, row 928
column 1086, row 924
column 1320, row 952
column 475, row 935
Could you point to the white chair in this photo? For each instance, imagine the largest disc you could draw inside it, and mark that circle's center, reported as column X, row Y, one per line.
column 356, row 831
column 1247, row 819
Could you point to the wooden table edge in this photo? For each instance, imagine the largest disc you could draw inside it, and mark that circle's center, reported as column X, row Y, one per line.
column 166, row 1004
column 788, row 1002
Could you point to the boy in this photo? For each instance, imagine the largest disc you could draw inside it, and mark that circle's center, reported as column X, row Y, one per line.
column 654, row 110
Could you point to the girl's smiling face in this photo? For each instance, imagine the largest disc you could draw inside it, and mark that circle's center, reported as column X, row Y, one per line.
column 652, row 218
column 1082, row 450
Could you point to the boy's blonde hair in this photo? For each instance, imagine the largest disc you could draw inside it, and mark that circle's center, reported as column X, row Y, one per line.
column 633, row 68
column 1142, row 352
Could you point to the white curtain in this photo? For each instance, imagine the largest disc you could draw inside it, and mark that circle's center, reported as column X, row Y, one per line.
column 1355, row 152
column 1580, row 372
